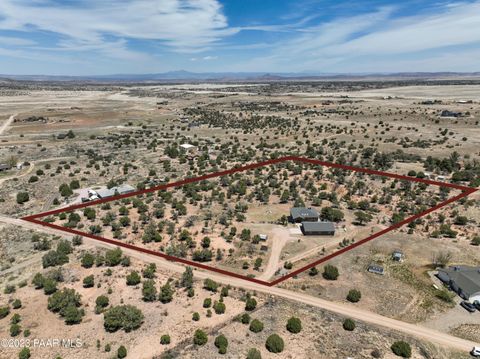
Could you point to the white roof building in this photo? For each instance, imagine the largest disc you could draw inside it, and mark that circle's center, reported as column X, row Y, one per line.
column 187, row 146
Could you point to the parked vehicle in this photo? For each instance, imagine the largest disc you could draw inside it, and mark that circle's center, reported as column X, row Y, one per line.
column 468, row 306
column 477, row 304
column 475, row 352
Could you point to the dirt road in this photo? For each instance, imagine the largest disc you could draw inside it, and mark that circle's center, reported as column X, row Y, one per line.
column 344, row 309
column 280, row 238
column 6, row 124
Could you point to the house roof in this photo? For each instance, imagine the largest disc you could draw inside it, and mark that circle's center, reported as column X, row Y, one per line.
column 106, row 192
column 109, row 192
column 465, row 277
column 124, row 188
column 318, row 226
column 397, row 253
column 303, row 212
column 186, row 146
column 375, row 268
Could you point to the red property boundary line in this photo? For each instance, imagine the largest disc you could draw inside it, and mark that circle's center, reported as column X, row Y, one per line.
column 465, row 192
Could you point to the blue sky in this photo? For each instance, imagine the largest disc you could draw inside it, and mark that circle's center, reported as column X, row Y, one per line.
column 94, row 37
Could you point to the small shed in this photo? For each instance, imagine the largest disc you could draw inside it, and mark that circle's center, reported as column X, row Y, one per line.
column 376, row 269
column 398, row 256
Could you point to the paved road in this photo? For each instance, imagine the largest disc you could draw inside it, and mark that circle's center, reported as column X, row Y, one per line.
column 344, row 309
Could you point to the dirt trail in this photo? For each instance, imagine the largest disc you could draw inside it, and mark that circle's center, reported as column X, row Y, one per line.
column 344, row 309
column 6, row 124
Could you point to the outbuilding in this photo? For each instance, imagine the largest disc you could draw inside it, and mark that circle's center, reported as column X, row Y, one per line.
column 376, row 269
column 318, row 228
column 398, row 256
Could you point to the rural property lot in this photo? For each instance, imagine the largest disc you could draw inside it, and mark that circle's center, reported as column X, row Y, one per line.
column 146, row 238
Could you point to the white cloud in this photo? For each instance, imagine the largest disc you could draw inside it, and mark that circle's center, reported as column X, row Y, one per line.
column 347, row 44
column 183, row 25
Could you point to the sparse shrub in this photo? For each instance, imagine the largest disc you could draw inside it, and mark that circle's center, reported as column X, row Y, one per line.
column 165, row 339
column 274, row 343
column 49, row 286
column 294, row 325
column 245, row 318
column 221, row 342
column 476, row 241
column 330, row 272
column 254, row 354
column 24, row 353
column 17, row 303
column 354, row 295
column 113, row 257
column 16, row 318
column 166, row 293
column 401, row 349
column 65, row 302
column 15, row 330
column 88, row 260
column 133, row 278
column 101, row 303
column 348, row 324
column 89, row 281
column 126, row 317
column 250, row 304
column 9, row 289
column 121, row 352
column 210, row 285
column 149, row 291
column 219, row 307
column 207, row 302
column 256, row 326
column 200, row 337
column 22, row 197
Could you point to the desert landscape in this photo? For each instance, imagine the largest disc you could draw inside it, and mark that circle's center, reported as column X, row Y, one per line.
column 68, row 150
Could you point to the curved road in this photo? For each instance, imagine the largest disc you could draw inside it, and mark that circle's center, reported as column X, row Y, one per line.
column 344, row 309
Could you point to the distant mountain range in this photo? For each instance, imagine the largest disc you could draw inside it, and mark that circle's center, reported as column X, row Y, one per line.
column 186, row 76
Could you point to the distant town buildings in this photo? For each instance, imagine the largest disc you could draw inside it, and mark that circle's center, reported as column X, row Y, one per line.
column 447, row 113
